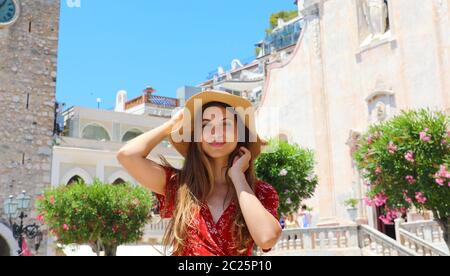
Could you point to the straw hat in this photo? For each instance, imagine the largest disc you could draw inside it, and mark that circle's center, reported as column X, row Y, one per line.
column 192, row 110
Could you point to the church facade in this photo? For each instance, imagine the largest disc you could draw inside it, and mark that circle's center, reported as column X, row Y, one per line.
column 357, row 62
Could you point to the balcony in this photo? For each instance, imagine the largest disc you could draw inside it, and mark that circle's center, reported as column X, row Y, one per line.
column 152, row 100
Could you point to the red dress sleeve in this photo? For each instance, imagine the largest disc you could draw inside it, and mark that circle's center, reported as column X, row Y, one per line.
column 268, row 197
column 167, row 201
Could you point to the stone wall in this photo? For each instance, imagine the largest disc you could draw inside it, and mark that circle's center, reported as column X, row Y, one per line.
column 28, row 58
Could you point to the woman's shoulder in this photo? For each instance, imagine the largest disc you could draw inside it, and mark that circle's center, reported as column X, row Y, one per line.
column 268, row 196
column 265, row 189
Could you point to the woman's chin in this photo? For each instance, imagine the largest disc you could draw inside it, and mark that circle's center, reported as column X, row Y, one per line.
column 218, row 152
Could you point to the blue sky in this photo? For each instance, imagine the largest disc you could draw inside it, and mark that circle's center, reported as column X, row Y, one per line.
column 109, row 45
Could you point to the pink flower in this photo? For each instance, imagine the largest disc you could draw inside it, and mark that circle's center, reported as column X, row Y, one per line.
column 443, row 172
column 378, row 170
column 66, row 227
column 411, row 179
column 40, row 218
column 407, row 198
column 368, row 201
column 440, row 181
column 442, row 175
column 392, row 214
column 283, row 172
column 409, row 156
column 424, row 136
column 52, row 200
column 421, row 198
column 392, row 148
column 380, row 199
column 385, row 219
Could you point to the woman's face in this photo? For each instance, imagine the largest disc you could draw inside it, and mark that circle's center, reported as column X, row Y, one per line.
column 219, row 132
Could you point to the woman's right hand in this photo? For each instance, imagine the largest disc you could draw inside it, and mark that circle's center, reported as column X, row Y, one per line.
column 177, row 119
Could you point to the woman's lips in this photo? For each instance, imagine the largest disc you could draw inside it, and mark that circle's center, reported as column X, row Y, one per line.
column 216, row 144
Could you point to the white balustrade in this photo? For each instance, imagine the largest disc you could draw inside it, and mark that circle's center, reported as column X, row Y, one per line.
column 420, row 246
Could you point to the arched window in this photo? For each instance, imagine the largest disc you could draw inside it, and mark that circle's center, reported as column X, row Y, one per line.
column 75, row 179
column 131, row 134
column 95, row 132
column 119, row 181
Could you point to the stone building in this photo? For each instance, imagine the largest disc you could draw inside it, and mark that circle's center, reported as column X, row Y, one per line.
column 357, row 62
column 28, row 54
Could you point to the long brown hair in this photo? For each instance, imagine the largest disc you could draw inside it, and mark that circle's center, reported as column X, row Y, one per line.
column 195, row 184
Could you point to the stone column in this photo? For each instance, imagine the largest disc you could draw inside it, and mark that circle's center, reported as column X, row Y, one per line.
column 325, row 190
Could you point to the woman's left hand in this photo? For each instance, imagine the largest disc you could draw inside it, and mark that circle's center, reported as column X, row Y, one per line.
column 241, row 163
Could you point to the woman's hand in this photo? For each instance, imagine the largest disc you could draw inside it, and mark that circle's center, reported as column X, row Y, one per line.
column 176, row 120
column 241, row 163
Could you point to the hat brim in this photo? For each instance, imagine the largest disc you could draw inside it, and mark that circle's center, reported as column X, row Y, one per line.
column 194, row 105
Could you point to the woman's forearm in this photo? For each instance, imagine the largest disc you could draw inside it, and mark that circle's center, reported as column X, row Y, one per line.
column 263, row 226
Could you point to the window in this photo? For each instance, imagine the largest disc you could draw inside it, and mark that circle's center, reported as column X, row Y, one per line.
column 119, row 181
column 131, row 134
column 75, row 180
column 95, row 132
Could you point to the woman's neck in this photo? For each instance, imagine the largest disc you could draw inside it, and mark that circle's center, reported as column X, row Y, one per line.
column 219, row 166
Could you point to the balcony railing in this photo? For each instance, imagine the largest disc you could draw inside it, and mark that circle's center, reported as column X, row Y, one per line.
column 158, row 101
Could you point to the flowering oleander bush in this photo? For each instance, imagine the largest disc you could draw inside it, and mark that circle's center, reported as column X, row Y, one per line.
column 101, row 215
column 290, row 170
column 406, row 162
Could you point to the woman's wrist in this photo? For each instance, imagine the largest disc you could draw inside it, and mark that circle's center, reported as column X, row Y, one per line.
column 236, row 176
column 168, row 127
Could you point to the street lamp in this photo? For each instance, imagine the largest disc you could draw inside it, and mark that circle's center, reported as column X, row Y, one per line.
column 10, row 208
column 15, row 208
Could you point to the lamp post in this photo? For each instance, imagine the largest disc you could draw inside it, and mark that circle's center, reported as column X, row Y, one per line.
column 14, row 209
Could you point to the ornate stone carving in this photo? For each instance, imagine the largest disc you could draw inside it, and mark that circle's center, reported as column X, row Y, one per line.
column 376, row 16
column 380, row 111
column 381, row 105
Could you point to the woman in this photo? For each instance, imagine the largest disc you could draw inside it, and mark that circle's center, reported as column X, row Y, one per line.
column 216, row 205
column 291, row 223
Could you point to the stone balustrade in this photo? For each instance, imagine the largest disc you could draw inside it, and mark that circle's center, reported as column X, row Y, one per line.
column 427, row 230
column 418, row 245
column 373, row 242
column 415, row 239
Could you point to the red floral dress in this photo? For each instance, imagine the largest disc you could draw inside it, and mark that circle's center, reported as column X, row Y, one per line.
column 206, row 238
